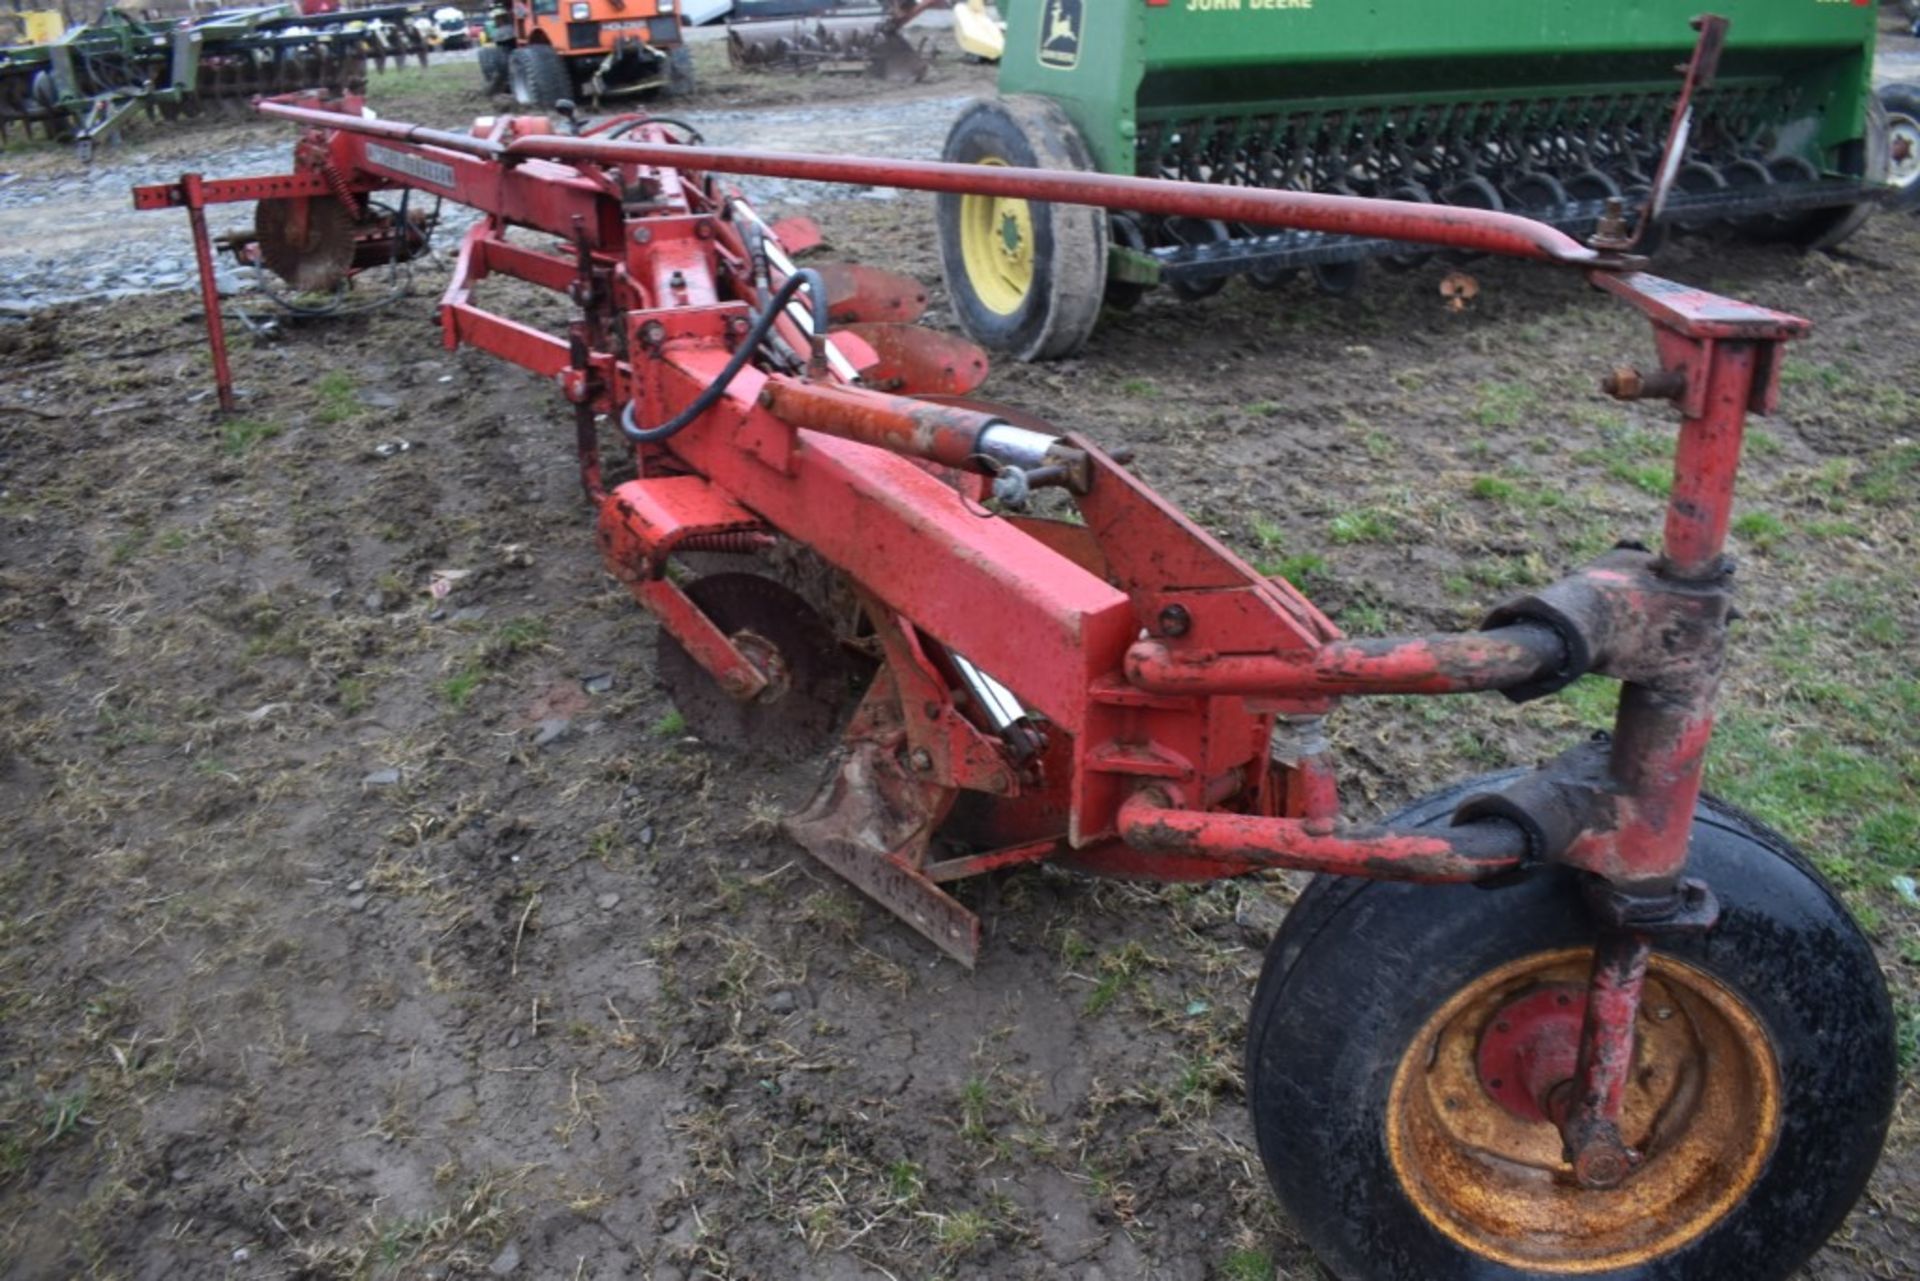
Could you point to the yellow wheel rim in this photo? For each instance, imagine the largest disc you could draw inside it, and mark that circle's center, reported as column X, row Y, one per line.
column 1703, row 1109
column 996, row 243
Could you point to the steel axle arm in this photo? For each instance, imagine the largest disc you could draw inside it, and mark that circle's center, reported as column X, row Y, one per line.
column 1504, row 658
column 1151, row 823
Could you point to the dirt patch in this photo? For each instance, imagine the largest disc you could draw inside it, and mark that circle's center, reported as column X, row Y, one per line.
column 355, row 930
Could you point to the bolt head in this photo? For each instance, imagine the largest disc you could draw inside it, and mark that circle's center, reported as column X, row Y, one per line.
column 921, row 760
column 1601, row 1169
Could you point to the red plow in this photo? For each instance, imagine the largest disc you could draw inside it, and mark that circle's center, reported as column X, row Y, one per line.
column 1112, row 688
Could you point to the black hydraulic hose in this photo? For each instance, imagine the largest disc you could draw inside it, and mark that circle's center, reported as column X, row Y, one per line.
column 694, row 136
column 762, row 325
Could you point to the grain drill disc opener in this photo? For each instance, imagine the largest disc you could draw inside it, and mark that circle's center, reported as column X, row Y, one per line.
column 1567, row 1019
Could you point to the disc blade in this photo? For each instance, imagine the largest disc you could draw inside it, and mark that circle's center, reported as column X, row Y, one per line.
column 810, row 681
column 306, row 242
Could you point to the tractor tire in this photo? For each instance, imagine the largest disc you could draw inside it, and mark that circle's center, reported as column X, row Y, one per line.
column 1902, row 105
column 493, row 69
column 1026, row 277
column 538, row 76
column 680, row 78
column 1382, row 1132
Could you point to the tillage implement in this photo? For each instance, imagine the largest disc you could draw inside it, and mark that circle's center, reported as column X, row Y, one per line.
column 1571, row 1020
column 81, row 84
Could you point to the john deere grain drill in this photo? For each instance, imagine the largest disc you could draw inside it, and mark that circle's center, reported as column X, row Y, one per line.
column 1544, row 107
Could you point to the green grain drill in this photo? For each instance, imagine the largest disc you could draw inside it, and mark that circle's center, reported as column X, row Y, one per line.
column 1543, row 107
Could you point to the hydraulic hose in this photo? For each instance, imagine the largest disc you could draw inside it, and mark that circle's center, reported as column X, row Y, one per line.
column 694, row 136
column 762, row 326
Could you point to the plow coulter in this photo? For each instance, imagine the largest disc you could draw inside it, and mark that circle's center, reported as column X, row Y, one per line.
column 1572, row 1019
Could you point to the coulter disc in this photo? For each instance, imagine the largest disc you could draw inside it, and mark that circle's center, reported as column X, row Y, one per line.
column 809, row 680
column 312, row 258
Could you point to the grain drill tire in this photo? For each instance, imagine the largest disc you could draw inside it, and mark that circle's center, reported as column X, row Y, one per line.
column 1902, row 105
column 1351, row 1073
column 1026, row 277
column 493, row 69
column 538, row 76
column 1826, row 228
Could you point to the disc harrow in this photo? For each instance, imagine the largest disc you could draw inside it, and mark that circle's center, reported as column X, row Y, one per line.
column 83, row 85
column 875, row 43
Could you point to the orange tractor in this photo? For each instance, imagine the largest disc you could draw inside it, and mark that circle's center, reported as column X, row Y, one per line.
column 543, row 51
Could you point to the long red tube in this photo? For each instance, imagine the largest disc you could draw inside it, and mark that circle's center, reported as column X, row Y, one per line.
column 1455, row 228
column 398, row 130
column 1481, row 230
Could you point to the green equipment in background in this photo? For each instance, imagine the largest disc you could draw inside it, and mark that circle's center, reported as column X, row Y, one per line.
column 1544, row 107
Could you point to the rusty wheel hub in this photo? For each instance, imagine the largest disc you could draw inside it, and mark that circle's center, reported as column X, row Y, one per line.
column 1471, row 1117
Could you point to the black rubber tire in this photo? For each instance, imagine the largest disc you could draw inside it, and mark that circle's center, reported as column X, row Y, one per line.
column 538, row 76
column 1125, row 230
column 680, row 79
column 1058, row 312
column 1358, row 967
column 1901, row 102
column 493, row 68
column 1826, row 228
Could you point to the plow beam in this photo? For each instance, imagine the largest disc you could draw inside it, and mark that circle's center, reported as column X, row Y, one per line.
column 1449, row 227
column 1443, row 226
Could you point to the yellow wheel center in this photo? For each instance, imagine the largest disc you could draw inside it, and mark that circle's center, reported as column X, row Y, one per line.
column 996, row 244
column 1702, row 1109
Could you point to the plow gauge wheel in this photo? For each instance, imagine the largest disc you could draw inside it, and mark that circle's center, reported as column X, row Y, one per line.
column 1408, row 1044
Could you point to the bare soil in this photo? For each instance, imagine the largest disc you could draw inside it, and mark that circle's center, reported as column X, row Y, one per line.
column 352, row 929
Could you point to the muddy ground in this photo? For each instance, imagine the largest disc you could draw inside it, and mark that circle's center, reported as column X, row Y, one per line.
column 355, row 930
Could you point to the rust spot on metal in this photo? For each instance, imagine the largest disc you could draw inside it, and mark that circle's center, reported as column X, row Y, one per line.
column 1497, row 1181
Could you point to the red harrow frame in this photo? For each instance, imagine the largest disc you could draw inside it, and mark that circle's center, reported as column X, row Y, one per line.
column 1118, row 692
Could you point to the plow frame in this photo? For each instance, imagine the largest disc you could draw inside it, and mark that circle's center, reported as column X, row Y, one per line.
column 1123, row 694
